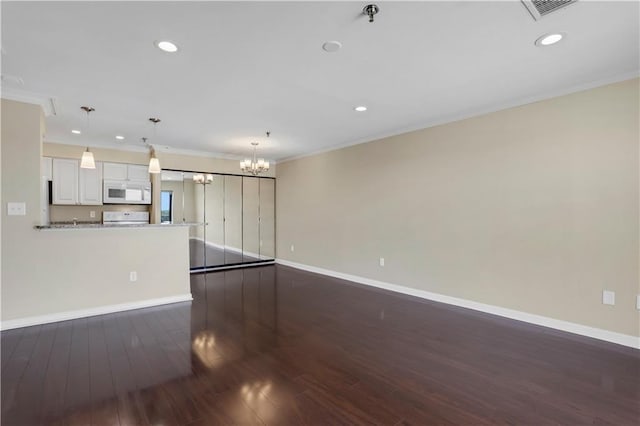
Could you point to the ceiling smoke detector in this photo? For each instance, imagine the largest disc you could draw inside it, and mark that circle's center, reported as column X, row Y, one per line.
column 371, row 10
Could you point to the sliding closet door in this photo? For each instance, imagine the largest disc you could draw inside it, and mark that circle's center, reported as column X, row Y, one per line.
column 232, row 219
column 193, row 212
column 267, row 218
column 250, row 219
column 214, row 219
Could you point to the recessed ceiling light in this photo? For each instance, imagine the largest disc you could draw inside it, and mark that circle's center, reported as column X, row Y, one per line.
column 76, row 132
column 549, row 39
column 120, row 137
column 360, row 108
column 332, row 46
column 166, row 46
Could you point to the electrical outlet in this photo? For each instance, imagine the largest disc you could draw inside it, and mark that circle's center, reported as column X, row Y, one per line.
column 608, row 297
column 16, row 209
column 92, row 214
column 382, row 261
column 133, row 276
column 293, row 248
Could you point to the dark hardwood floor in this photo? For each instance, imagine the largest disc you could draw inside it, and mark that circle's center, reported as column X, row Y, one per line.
column 274, row 345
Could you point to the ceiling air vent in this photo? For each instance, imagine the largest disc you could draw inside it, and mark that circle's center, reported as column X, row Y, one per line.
column 541, row 8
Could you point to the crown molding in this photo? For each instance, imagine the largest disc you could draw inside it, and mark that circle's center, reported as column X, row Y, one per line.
column 47, row 103
column 474, row 113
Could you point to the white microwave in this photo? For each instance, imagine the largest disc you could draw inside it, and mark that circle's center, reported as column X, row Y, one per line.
column 126, row 192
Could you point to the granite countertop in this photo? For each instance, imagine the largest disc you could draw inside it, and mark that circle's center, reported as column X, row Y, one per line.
column 99, row 225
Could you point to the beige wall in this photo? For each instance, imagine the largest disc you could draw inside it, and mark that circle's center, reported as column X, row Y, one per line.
column 48, row 272
column 533, row 208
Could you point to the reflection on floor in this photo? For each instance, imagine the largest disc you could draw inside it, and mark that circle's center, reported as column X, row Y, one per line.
column 275, row 345
column 206, row 255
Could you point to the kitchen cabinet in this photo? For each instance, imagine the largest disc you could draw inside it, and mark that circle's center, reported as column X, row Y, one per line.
column 90, row 185
column 65, row 181
column 138, row 173
column 122, row 171
column 114, row 171
column 73, row 185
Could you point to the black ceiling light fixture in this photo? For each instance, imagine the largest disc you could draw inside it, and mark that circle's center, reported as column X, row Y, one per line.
column 371, row 10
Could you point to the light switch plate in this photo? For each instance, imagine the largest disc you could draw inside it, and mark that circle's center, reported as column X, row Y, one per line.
column 16, row 209
column 638, row 302
column 608, row 297
column 382, row 261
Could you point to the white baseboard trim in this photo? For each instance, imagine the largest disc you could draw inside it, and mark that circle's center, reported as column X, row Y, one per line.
column 101, row 310
column 583, row 330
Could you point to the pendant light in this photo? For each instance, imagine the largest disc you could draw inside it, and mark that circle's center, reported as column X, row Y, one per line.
column 154, row 163
column 87, row 161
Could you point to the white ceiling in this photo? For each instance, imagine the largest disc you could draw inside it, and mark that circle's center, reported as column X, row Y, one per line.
column 247, row 67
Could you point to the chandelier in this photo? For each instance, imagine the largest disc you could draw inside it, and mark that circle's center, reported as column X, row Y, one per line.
column 255, row 165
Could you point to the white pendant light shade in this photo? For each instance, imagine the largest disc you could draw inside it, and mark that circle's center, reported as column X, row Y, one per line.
column 154, row 166
column 154, row 163
column 87, row 161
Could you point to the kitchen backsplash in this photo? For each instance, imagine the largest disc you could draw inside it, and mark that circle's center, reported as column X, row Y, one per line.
column 59, row 213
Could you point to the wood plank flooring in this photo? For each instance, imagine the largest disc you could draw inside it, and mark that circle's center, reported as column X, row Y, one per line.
column 275, row 345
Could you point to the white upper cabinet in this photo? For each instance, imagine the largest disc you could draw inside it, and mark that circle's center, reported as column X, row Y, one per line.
column 136, row 172
column 74, row 185
column 65, row 181
column 90, row 185
column 115, row 171
column 122, row 171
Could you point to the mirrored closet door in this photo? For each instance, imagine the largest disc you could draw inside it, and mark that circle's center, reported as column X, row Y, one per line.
column 232, row 218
